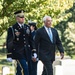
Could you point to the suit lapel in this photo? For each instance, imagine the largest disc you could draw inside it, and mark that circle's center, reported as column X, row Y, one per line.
column 46, row 34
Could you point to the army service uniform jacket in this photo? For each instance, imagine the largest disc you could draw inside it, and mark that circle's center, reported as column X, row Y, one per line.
column 22, row 42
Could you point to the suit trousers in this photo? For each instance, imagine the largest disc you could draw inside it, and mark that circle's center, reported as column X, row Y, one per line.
column 34, row 68
column 22, row 67
column 47, row 69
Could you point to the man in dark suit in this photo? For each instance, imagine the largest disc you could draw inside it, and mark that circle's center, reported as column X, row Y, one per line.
column 22, row 43
column 46, row 40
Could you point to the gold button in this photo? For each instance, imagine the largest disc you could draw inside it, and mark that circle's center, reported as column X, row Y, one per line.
column 14, row 49
column 25, row 45
column 24, row 42
column 24, row 38
column 28, row 45
column 23, row 35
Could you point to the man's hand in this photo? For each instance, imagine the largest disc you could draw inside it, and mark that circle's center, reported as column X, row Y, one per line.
column 62, row 55
column 34, row 59
column 9, row 59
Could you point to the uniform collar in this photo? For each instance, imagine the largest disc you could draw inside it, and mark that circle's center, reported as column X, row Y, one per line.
column 21, row 25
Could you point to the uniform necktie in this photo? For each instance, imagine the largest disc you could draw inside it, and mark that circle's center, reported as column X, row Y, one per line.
column 22, row 26
column 50, row 34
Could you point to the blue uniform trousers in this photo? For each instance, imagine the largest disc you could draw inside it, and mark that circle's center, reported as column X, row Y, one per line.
column 22, row 67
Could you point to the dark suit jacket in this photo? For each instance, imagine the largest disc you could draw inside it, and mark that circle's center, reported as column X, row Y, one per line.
column 22, row 44
column 45, row 47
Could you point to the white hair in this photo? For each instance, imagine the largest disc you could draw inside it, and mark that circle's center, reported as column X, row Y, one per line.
column 45, row 17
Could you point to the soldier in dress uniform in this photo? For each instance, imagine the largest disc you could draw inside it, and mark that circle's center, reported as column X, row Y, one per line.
column 33, row 29
column 22, row 43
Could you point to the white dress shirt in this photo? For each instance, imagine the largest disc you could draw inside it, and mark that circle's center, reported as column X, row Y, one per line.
column 49, row 32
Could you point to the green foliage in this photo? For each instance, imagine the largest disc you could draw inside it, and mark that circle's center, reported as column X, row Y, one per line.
column 61, row 11
column 67, row 30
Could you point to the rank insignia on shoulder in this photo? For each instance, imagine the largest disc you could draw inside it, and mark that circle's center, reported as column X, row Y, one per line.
column 17, row 39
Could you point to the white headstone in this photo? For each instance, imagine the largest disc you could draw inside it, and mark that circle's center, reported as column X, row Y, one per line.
column 68, row 66
column 5, row 70
column 58, row 70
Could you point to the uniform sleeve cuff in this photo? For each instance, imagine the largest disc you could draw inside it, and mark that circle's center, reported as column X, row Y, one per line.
column 9, row 53
column 33, row 49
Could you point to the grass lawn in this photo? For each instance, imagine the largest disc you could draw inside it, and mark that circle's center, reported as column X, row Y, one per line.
column 4, row 62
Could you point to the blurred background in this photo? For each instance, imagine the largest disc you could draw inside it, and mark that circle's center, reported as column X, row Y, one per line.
column 63, row 19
